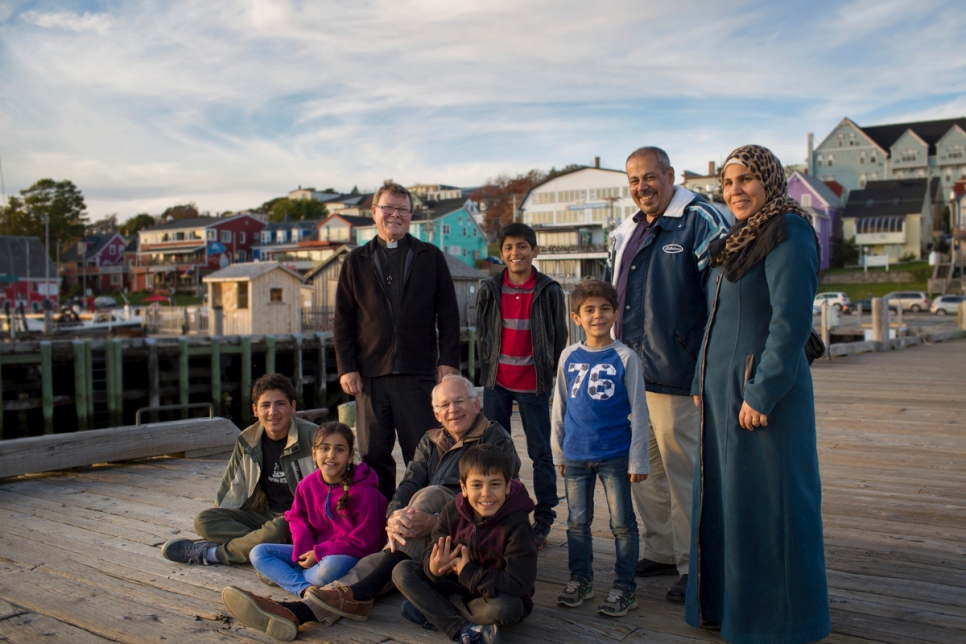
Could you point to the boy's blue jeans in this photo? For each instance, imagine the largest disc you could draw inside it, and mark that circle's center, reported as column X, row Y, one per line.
column 580, row 478
column 535, row 415
column 274, row 560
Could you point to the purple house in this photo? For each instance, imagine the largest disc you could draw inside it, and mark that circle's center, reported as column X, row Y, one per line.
column 825, row 207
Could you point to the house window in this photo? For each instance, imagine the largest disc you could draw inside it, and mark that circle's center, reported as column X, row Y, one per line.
column 241, row 237
column 872, row 157
column 544, row 197
column 240, row 256
column 459, row 220
column 115, row 280
column 211, row 235
column 242, row 294
column 464, row 252
column 862, row 157
column 275, row 295
column 831, row 159
column 266, row 237
column 226, row 236
column 862, row 180
column 113, row 250
column 179, row 236
column 820, row 160
column 464, row 231
column 474, row 231
column 806, row 200
column 445, row 229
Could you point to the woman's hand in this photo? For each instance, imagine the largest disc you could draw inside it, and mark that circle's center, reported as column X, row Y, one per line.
column 307, row 559
column 697, row 401
column 751, row 419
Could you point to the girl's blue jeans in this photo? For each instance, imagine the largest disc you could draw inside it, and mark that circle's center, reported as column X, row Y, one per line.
column 274, row 560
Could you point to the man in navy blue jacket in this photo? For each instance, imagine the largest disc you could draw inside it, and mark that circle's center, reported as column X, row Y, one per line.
column 659, row 265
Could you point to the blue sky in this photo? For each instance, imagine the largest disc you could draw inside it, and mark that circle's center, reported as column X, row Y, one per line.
column 228, row 104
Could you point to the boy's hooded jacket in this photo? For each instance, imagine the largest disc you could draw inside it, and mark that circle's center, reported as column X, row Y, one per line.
column 317, row 523
column 239, row 486
column 503, row 553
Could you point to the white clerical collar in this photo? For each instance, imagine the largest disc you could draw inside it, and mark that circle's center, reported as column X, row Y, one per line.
column 392, row 244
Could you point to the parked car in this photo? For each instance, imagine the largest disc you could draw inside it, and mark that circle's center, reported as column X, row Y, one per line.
column 104, row 302
column 838, row 300
column 914, row 301
column 947, row 304
column 853, row 307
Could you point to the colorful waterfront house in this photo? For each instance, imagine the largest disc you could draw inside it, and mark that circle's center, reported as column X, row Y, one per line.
column 292, row 243
column 178, row 254
column 450, row 225
column 572, row 214
column 27, row 274
column 96, row 263
column 342, row 228
column 893, row 218
column 825, row 207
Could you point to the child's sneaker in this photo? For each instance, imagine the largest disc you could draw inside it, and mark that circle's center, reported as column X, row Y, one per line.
column 479, row 634
column 413, row 615
column 575, row 592
column 541, row 530
column 618, row 602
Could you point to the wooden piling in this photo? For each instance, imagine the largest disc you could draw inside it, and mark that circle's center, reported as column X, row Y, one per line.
column 183, row 374
column 81, row 401
column 269, row 354
column 216, row 374
column 47, row 386
column 299, row 399
column 246, row 380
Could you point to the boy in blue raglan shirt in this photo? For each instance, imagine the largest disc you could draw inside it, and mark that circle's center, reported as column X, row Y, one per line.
column 599, row 430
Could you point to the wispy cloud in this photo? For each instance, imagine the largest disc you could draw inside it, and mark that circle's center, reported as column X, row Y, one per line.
column 146, row 104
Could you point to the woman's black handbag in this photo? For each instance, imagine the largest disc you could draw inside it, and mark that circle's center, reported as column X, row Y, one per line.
column 814, row 347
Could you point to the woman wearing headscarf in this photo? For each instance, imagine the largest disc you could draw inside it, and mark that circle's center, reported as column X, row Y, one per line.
column 757, row 567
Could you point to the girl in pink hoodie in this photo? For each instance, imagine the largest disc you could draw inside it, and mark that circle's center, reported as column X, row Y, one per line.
column 338, row 516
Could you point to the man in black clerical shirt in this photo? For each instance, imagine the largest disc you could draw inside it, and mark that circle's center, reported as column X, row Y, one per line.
column 396, row 334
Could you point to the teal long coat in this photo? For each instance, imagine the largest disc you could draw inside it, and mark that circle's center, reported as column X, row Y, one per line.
column 757, row 556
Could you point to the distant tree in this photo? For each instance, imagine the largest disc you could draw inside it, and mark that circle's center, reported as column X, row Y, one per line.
column 498, row 197
column 568, row 168
column 61, row 201
column 354, row 191
column 268, row 205
column 844, row 253
column 136, row 224
column 330, row 191
column 297, row 210
column 179, row 212
column 104, row 225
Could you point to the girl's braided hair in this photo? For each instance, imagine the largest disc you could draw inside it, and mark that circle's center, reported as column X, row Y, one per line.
column 323, row 432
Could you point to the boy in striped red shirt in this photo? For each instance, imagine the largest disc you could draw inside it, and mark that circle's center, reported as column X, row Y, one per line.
column 521, row 324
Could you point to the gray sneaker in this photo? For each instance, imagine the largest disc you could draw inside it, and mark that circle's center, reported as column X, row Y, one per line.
column 480, row 634
column 618, row 602
column 188, row 551
column 574, row 593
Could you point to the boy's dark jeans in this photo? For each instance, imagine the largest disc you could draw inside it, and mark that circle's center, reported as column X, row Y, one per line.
column 535, row 415
column 431, row 599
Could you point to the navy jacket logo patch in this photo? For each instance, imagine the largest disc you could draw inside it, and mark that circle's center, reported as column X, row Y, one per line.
column 673, row 248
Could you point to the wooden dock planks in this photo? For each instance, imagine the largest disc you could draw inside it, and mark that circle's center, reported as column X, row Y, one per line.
column 80, row 560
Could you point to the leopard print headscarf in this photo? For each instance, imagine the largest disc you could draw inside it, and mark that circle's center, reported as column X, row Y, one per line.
column 768, row 169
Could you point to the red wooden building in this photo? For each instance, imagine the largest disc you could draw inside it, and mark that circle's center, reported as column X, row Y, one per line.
column 96, row 262
column 24, row 267
column 175, row 255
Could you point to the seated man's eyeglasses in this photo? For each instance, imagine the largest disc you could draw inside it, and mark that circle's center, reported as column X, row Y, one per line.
column 456, row 401
column 390, row 210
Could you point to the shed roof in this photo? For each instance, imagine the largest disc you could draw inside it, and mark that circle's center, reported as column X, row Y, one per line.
column 821, row 189
column 928, row 131
column 248, row 271
column 887, row 198
column 460, row 270
column 315, row 270
column 14, row 253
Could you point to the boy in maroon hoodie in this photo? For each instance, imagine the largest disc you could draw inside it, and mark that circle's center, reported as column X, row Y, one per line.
column 480, row 571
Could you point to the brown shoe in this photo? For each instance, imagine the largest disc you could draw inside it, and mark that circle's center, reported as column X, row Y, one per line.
column 338, row 598
column 261, row 613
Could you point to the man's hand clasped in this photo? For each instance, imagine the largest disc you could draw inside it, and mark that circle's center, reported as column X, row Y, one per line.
column 408, row 523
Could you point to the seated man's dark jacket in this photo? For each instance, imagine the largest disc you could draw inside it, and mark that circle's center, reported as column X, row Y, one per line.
column 503, row 553
column 433, row 464
column 365, row 337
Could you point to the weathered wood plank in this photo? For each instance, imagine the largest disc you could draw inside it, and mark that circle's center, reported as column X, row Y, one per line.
column 60, row 451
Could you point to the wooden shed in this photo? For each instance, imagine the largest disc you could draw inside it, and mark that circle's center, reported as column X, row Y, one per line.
column 324, row 278
column 466, row 279
column 255, row 297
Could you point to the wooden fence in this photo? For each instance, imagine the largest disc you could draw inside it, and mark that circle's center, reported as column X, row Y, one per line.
column 175, row 320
